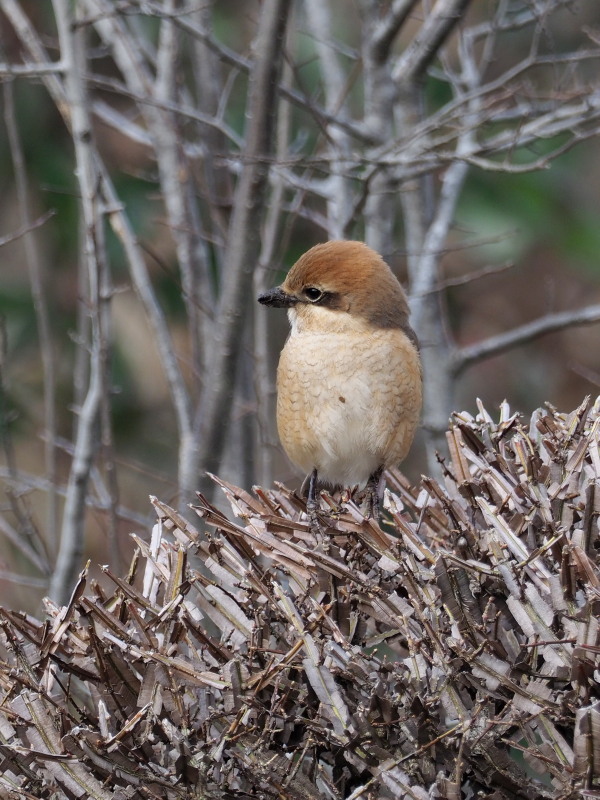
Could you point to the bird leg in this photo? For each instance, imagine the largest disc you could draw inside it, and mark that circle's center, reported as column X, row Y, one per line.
column 312, row 502
column 372, row 503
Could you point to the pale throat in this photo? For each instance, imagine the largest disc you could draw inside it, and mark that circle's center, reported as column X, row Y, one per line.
column 317, row 319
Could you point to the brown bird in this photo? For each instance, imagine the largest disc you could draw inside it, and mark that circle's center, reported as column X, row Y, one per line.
column 349, row 376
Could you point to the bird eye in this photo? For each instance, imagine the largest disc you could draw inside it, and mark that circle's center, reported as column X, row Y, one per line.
column 313, row 294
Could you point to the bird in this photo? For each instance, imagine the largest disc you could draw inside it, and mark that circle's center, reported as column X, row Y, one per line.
column 349, row 385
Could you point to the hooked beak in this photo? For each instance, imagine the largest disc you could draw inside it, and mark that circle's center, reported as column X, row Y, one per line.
column 277, row 298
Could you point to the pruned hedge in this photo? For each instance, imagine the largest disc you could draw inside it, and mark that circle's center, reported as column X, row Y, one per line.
column 452, row 652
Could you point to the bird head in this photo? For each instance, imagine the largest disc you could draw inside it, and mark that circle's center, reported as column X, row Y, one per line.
column 339, row 281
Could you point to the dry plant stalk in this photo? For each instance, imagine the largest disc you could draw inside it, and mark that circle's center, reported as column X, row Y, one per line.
column 452, row 654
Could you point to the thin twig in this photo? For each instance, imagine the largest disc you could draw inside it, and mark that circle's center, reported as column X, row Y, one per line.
column 25, row 229
column 40, row 295
column 467, row 356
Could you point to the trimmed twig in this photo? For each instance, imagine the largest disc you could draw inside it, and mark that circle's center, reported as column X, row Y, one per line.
column 414, row 662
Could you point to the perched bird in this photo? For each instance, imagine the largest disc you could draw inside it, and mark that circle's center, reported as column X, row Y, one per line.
column 349, row 376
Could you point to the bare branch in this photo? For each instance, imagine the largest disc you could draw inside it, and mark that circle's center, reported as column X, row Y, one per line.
column 20, row 481
column 245, row 65
column 121, row 225
column 428, row 317
column 182, row 109
column 25, row 229
column 124, row 231
column 40, row 304
column 470, row 277
column 387, row 28
column 244, row 233
column 335, row 84
column 175, row 178
column 72, row 532
column 21, row 543
column 23, row 580
column 264, row 381
column 438, row 25
column 215, row 178
column 192, row 255
column 30, row 70
column 550, row 323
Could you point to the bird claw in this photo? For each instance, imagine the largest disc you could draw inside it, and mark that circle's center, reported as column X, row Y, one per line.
column 372, row 508
column 313, row 507
column 372, row 498
column 315, row 524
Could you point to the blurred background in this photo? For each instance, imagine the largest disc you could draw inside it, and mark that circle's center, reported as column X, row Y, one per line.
column 163, row 162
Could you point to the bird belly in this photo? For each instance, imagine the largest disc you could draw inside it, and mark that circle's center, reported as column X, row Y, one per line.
column 347, row 405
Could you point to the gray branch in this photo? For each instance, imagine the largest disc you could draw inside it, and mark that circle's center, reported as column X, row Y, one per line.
column 438, row 25
column 386, row 29
column 465, row 357
column 68, row 562
column 244, row 245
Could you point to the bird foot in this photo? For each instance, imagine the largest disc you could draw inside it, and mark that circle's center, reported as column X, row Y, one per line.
column 372, row 506
column 313, row 506
column 372, row 496
column 315, row 521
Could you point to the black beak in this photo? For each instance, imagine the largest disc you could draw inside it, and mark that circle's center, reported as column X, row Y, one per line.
column 277, row 298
